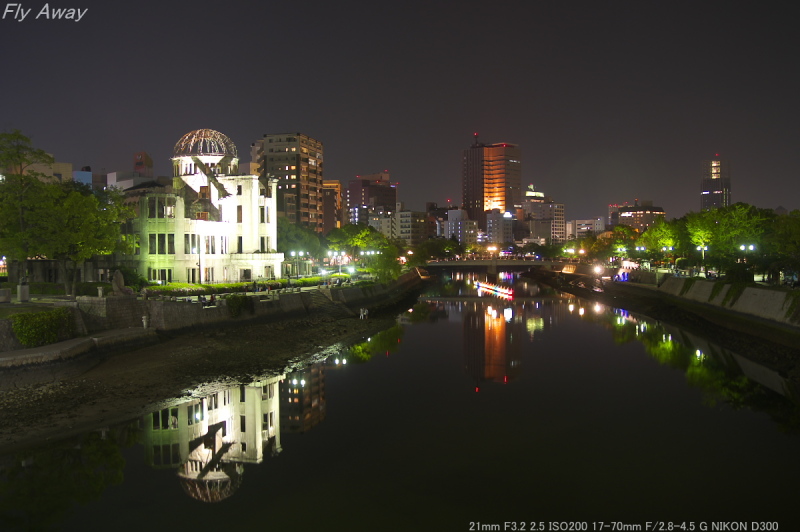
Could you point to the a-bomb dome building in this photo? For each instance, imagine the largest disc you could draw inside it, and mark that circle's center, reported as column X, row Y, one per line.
column 212, row 223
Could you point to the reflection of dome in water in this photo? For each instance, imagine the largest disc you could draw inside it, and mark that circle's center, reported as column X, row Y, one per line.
column 215, row 486
column 204, row 142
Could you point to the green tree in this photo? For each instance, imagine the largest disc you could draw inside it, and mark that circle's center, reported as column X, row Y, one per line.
column 787, row 238
column 78, row 225
column 22, row 192
column 354, row 238
column 293, row 237
column 435, row 248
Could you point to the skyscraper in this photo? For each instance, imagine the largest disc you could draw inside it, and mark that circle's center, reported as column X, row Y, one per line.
column 491, row 179
column 716, row 184
column 295, row 160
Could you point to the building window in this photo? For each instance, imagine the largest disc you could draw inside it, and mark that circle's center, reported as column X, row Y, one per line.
column 263, row 215
column 169, row 207
column 243, row 423
column 204, row 192
column 239, row 245
column 171, row 244
column 238, row 214
column 152, row 248
column 202, row 215
column 238, row 190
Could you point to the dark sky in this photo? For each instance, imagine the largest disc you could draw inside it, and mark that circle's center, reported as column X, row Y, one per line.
column 609, row 101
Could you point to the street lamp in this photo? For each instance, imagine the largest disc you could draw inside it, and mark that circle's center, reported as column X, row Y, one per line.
column 296, row 255
column 746, row 248
column 665, row 249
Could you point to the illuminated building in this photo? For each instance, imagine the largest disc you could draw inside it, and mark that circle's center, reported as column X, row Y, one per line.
column 412, row 226
column 715, row 187
column 333, row 206
column 581, row 228
column 295, row 160
column 546, row 218
column 369, row 194
column 499, row 227
column 491, row 179
column 209, row 222
column 459, row 226
column 638, row 217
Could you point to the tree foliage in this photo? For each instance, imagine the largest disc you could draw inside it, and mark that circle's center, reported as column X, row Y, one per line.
column 293, row 237
column 63, row 221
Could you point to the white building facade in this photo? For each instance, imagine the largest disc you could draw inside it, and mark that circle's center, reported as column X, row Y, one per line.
column 210, row 224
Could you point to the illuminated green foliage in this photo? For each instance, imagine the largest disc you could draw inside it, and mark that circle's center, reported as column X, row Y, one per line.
column 33, row 329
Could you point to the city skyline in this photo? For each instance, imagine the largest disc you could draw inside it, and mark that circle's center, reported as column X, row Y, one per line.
column 608, row 102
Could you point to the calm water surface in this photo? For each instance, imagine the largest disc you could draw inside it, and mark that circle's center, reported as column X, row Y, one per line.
column 470, row 413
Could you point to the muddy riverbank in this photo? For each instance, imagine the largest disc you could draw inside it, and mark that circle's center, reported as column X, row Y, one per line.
column 127, row 385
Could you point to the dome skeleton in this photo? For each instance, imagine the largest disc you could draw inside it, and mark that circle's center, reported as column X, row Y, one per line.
column 205, row 142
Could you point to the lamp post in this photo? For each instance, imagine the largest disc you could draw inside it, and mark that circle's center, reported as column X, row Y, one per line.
column 665, row 249
column 746, row 248
column 296, row 255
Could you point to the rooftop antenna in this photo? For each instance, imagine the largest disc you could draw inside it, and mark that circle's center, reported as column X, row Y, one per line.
column 476, row 138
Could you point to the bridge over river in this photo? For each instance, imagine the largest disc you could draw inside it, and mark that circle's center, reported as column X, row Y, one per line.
column 517, row 265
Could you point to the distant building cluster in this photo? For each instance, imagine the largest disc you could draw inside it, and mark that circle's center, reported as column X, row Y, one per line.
column 215, row 218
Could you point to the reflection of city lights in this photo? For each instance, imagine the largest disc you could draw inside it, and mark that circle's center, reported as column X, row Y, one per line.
column 598, row 307
column 571, row 307
column 508, row 313
column 581, row 311
column 497, row 290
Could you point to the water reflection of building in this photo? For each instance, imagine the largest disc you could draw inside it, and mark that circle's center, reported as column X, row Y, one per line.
column 210, row 438
column 303, row 398
column 491, row 350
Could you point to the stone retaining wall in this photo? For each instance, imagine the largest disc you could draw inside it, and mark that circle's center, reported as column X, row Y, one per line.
column 95, row 314
column 763, row 303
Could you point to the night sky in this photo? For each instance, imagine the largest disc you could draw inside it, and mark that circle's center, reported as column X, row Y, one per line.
column 609, row 101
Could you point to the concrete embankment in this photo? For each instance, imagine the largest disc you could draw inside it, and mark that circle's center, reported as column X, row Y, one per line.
column 118, row 322
column 778, row 306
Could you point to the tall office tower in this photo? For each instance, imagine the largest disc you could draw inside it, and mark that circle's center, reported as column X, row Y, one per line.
column 716, row 184
column 295, row 160
column 369, row 194
column 491, row 179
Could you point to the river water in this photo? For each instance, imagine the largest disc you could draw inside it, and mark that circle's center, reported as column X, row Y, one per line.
column 475, row 412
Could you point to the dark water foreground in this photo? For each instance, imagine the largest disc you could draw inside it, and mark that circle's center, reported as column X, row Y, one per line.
column 473, row 413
